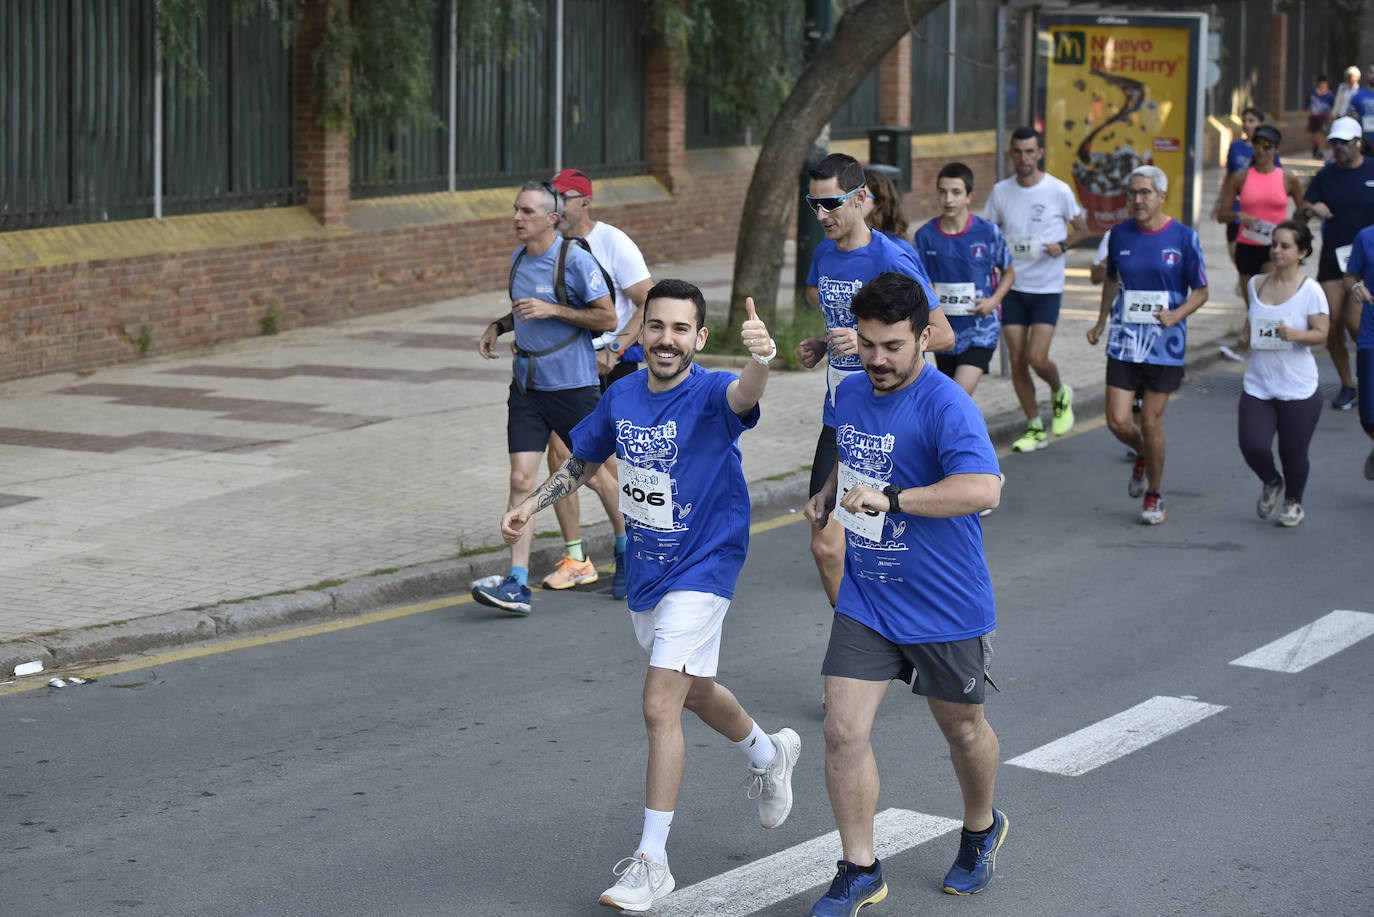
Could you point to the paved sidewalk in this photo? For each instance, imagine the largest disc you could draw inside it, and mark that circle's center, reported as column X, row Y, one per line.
column 350, row 467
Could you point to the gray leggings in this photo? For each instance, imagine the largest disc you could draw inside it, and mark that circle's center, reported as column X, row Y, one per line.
column 1294, row 422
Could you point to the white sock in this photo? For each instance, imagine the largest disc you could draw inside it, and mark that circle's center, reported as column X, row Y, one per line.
column 653, row 843
column 758, row 747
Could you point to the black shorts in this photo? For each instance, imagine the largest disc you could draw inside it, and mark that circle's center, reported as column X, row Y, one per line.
column 1251, row 259
column 1328, row 268
column 1150, row 377
column 980, row 357
column 1315, row 123
column 827, row 452
column 1232, row 230
column 953, row 671
column 532, row 415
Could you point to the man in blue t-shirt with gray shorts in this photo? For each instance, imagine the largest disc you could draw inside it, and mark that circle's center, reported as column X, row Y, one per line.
column 915, row 468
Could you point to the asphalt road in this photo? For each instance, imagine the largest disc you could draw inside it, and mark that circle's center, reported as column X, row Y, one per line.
column 453, row 761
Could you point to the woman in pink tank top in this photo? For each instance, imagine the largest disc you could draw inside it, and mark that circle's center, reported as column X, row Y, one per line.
column 1264, row 191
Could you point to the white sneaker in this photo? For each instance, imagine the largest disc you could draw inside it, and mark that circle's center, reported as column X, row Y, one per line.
column 772, row 786
column 642, row 882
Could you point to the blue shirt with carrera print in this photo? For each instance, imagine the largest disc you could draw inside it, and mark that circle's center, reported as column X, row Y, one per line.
column 977, row 255
column 1167, row 261
column 927, row 580
column 683, row 493
column 837, row 275
column 572, row 365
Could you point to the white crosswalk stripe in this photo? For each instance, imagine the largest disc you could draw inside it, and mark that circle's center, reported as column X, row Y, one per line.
column 1117, row 736
column 789, row 872
column 1309, row 645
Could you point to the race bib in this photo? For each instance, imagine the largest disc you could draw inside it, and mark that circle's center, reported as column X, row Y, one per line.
column 1262, row 233
column 834, row 376
column 646, row 496
column 1140, row 307
column 1264, row 334
column 1343, row 255
column 867, row 525
column 1024, row 248
column 956, row 298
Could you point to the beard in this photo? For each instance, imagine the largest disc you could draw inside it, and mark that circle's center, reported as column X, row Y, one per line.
column 890, row 378
column 671, row 372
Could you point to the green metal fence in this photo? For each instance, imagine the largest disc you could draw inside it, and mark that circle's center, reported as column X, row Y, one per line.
column 77, row 116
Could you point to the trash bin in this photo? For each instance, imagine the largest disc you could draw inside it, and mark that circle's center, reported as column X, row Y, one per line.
column 891, row 146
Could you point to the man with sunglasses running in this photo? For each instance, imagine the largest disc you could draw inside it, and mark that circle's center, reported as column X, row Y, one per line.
column 851, row 256
column 1341, row 195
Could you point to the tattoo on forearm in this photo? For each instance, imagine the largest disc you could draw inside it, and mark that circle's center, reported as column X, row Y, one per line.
column 571, row 475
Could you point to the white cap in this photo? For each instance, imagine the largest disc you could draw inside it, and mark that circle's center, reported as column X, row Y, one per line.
column 1345, row 129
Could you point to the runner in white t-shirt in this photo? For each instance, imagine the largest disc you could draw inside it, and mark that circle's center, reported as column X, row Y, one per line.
column 1288, row 313
column 617, row 354
column 1041, row 220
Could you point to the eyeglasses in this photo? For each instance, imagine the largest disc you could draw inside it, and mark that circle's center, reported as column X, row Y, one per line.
column 1141, row 193
column 829, row 204
column 1263, row 145
column 1337, row 141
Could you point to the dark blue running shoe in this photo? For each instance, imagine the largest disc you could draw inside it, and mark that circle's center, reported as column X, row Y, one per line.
column 851, row 890
column 508, row 595
column 619, row 588
column 972, row 869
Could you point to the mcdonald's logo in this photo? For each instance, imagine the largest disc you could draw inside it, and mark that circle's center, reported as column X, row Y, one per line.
column 1070, row 47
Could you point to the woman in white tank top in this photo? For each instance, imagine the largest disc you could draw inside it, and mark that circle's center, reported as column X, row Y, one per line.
column 1287, row 313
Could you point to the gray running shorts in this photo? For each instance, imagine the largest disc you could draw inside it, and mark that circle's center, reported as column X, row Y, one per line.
column 952, row 672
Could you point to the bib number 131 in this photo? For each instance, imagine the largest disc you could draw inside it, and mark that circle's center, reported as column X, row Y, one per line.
column 646, row 496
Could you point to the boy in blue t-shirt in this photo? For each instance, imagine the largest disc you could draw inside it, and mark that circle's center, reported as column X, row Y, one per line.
column 970, row 267
column 851, row 255
column 1156, row 278
column 673, row 428
column 915, row 467
column 1319, row 102
column 1358, row 274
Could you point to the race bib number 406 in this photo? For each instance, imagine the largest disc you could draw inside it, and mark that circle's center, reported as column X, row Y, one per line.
column 956, row 298
column 867, row 525
column 646, row 496
column 1140, row 307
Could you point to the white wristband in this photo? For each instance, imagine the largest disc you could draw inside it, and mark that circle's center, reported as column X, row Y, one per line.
column 772, row 352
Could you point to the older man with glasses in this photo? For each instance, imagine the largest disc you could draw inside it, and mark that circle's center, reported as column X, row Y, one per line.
column 1341, row 195
column 1156, row 278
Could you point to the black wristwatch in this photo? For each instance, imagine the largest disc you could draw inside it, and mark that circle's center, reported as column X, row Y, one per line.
column 893, row 493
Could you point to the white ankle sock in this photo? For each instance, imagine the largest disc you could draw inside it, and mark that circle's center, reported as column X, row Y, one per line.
column 758, row 747
column 653, row 843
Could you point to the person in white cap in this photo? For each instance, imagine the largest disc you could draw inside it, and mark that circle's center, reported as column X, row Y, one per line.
column 1341, row 195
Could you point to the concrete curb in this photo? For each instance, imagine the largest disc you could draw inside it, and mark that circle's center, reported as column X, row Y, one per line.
column 425, row 582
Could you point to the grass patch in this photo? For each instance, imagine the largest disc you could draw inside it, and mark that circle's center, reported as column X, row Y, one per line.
column 383, row 571
column 804, row 323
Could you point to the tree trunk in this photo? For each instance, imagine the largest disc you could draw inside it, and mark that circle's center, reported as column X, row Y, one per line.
column 863, row 36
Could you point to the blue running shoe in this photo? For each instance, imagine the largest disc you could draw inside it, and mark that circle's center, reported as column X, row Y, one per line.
column 972, row 869
column 851, row 890
column 508, row 595
column 1345, row 398
column 619, row 588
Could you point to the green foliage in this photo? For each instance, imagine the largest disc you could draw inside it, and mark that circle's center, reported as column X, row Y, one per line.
column 375, row 58
column 746, row 54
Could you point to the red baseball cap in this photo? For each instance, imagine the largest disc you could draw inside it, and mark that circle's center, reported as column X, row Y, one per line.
column 573, row 180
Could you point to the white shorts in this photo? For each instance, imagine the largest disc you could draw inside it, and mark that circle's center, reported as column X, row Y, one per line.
column 682, row 632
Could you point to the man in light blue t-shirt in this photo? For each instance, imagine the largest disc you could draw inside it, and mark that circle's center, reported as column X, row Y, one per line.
column 554, row 314
column 674, row 429
column 914, row 470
